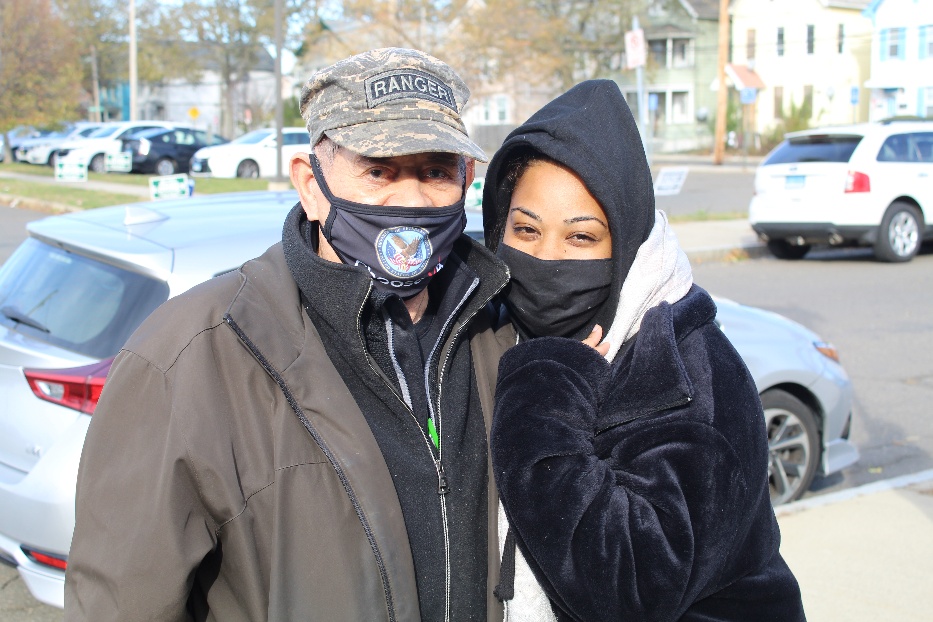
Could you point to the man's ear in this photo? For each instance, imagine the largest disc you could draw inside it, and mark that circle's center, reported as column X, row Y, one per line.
column 470, row 172
column 302, row 176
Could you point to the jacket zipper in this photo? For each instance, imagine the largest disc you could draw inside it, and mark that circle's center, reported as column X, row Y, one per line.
column 296, row 408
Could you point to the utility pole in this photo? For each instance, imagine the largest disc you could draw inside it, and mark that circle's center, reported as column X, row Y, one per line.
column 279, row 116
column 722, row 94
column 98, row 113
column 133, row 80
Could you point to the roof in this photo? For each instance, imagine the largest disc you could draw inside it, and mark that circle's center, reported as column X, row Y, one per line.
column 702, row 9
column 846, row 4
column 667, row 31
column 744, row 77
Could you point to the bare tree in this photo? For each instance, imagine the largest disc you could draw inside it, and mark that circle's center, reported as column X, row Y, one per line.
column 38, row 66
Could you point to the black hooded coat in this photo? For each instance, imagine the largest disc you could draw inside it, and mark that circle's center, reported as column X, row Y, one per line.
column 636, row 490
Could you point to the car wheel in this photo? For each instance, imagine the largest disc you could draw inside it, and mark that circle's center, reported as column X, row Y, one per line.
column 793, row 445
column 247, row 168
column 98, row 164
column 53, row 158
column 899, row 235
column 782, row 249
column 165, row 166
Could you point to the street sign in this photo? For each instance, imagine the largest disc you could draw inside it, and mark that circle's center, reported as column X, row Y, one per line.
column 194, row 113
column 748, row 95
column 70, row 171
column 670, row 180
column 652, row 102
column 853, row 96
column 635, row 50
column 119, row 162
column 170, row 187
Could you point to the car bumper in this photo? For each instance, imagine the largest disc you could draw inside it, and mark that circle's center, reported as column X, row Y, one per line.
column 800, row 233
column 37, row 510
column 200, row 168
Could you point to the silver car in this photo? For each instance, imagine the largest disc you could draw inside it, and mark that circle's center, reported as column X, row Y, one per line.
column 73, row 292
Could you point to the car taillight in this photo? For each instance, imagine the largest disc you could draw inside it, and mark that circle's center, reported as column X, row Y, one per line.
column 857, row 182
column 144, row 146
column 46, row 559
column 77, row 388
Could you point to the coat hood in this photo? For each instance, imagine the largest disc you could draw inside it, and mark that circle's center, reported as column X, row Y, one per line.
column 590, row 130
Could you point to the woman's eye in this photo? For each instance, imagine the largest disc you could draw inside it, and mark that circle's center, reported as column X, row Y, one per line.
column 583, row 238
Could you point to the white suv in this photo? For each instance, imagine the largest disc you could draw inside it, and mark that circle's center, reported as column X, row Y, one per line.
column 860, row 185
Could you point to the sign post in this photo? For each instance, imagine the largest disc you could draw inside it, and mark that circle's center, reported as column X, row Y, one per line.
column 747, row 96
column 853, row 97
column 635, row 58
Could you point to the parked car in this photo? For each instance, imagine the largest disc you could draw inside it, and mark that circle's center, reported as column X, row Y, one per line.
column 167, row 151
column 42, row 149
column 250, row 155
column 859, row 185
column 92, row 151
column 80, row 283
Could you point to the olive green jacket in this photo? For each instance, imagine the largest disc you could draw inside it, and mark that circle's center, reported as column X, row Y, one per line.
column 228, row 474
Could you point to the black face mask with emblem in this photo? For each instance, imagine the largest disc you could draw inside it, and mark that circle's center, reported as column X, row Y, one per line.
column 401, row 247
column 555, row 297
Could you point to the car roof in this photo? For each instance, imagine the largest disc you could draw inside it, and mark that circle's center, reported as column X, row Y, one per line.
column 863, row 129
column 197, row 237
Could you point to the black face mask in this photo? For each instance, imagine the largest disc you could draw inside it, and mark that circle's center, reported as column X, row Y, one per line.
column 401, row 247
column 555, row 298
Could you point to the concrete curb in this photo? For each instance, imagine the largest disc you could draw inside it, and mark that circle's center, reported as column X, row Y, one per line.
column 903, row 481
column 38, row 205
column 726, row 254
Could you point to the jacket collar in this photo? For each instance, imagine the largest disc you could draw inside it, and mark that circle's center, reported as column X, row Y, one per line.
column 651, row 376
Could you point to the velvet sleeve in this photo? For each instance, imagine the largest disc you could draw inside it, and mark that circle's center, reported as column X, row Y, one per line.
column 636, row 532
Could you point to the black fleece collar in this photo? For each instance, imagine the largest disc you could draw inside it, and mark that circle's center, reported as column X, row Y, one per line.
column 651, row 376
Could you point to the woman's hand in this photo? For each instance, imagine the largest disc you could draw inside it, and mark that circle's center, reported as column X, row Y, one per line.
column 593, row 340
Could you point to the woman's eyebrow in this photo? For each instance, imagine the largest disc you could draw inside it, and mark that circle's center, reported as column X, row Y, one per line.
column 526, row 212
column 576, row 219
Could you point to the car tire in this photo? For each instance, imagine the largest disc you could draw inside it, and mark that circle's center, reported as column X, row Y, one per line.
column 782, row 249
column 793, row 445
column 248, row 169
column 165, row 166
column 53, row 158
column 98, row 164
column 900, row 233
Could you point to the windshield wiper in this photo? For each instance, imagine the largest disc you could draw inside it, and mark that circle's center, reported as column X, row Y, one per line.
column 21, row 318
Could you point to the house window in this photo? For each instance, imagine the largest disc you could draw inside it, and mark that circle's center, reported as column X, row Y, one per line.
column 780, row 41
column 929, row 102
column 840, row 38
column 680, row 107
column 810, row 38
column 892, row 43
column 926, row 42
column 750, row 44
column 681, row 53
column 808, row 100
column 487, row 112
column 658, row 49
column 502, row 104
column 779, row 102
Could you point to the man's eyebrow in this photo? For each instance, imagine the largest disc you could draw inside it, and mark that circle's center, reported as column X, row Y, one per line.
column 526, row 212
column 576, row 219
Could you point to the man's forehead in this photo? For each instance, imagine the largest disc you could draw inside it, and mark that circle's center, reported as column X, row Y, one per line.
column 427, row 157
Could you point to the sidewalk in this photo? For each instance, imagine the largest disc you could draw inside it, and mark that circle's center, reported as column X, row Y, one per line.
column 864, row 554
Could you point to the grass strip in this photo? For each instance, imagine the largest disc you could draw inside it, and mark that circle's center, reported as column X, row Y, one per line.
column 62, row 195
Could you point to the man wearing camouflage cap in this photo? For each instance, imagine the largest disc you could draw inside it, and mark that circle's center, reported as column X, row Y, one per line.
column 305, row 438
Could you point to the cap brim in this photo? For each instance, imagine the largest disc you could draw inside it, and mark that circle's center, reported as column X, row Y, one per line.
column 398, row 137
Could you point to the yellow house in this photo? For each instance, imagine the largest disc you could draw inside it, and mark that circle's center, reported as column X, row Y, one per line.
column 813, row 57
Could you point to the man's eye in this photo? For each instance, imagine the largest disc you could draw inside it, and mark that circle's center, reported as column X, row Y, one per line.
column 437, row 173
column 376, row 173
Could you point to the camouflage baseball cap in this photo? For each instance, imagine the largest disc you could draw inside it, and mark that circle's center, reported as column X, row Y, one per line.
column 389, row 102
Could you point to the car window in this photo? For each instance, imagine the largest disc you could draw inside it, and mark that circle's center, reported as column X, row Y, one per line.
column 104, row 132
column 135, row 129
column 913, row 147
column 295, row 138
column 72, row 301
column 815, row 148
column 253, row 137
column 183, row 137
column 87, row 131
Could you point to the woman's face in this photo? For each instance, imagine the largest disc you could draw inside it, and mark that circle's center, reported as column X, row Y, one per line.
column 553, row 216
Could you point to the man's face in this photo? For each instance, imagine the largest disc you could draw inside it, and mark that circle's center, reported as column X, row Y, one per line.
column 420, row 180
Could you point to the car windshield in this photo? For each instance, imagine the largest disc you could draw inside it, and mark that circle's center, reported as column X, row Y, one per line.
column 252, row 138
column 72, row 301
column 104, row 132
column 815, row 148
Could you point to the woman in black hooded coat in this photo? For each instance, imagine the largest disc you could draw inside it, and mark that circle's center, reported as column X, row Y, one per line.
column 634, row 477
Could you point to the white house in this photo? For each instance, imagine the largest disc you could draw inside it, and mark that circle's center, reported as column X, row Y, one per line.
column 901, row 78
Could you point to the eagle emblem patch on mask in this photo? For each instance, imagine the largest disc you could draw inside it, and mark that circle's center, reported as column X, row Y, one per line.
column 403, row 251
